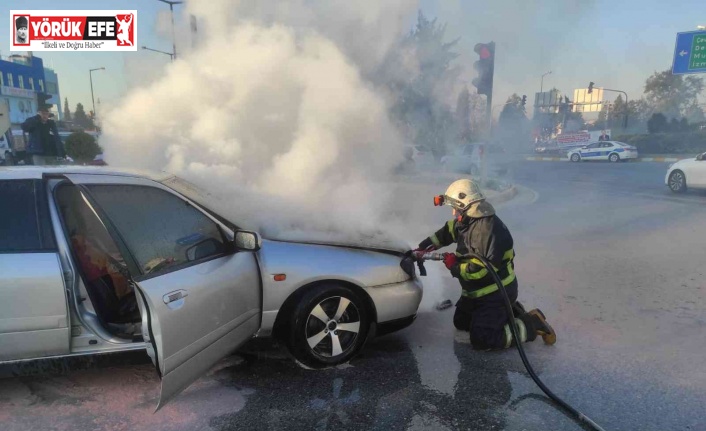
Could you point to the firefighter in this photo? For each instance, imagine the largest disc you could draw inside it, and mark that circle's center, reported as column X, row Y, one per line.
column 481, row 308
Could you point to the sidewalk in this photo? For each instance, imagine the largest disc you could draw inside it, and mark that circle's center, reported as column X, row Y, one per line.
column 663, row 158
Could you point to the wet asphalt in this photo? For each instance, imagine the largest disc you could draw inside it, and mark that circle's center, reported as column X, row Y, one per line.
column 613, row 259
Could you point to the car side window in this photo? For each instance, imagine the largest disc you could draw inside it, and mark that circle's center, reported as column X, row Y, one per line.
column 594, row 145
column 20, row 224
column 468, row 150
column 162, row 231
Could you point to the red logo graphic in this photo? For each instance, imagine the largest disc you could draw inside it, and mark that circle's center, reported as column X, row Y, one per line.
column 126, row 31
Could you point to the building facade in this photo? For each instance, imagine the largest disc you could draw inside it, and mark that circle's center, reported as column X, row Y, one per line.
column 51, row 86
column 21, row 78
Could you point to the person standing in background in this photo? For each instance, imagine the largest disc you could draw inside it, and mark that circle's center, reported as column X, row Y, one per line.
column 43, row 146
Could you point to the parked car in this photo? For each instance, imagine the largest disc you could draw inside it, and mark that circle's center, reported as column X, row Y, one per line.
column 420, row 155
column 463, row 159
column 613, row 151
column 687, row 173
column 94, row 260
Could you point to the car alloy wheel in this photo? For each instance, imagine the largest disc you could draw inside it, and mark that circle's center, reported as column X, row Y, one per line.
column 677, row 182
column 329, row 326
column 614, row 158
column 575, row 157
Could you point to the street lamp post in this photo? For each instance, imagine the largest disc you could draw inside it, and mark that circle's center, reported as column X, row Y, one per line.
column 171, row 10
column 161, row 52
column 90, row 75
column 541, row 83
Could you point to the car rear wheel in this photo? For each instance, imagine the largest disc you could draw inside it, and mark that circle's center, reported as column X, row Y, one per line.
column 677, row 182
column 614, row 158
column 575, row 157
column 328, row 326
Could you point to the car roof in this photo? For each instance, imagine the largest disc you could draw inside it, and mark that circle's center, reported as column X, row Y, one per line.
column 38, row 172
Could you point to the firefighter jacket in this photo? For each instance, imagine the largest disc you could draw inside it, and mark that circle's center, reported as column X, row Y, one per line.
column 486, row 236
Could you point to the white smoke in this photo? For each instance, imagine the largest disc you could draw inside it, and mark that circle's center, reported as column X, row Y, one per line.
column 275, row 98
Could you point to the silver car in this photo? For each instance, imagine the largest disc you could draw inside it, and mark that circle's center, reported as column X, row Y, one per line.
column 95, row 261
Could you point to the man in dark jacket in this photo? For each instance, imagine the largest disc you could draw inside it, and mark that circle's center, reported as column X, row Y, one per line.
column 481, row 308
column 44, row 145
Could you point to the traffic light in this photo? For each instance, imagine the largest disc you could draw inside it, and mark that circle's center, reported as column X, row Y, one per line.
column 590, row 87
column 524, row 100
column 485, row 67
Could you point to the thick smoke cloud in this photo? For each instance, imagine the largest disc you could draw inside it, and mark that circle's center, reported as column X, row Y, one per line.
column 276, row 99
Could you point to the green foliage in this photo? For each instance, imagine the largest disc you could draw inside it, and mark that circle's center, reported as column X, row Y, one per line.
column 418, row 109
column 67, row 110
column 667, row 143
column 82, row 147
column 675, row 96
column 81, row 119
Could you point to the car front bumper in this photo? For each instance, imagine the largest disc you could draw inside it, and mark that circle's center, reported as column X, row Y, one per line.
column 396, row 301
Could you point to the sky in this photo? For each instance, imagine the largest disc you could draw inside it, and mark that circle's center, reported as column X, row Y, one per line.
column 616, row 44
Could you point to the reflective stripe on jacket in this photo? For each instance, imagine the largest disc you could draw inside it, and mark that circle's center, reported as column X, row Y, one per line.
column 486, row 236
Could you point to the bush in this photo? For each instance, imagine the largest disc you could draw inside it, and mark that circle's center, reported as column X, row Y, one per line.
column 82, row 147
column 667, row 143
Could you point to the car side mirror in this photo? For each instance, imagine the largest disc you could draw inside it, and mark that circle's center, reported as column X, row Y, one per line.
column 247, row 241
column 700, row 157
column 205, row 248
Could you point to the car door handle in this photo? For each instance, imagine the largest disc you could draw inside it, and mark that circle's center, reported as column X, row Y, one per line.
column 175, row 296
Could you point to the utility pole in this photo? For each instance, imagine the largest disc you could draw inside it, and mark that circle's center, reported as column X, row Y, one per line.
column 171, row 10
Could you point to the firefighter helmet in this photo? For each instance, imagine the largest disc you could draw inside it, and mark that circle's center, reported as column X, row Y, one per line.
column 461, row 194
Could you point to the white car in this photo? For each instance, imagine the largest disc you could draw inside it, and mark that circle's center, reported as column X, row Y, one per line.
column 419, row 155
column 463, row 159
column 613, row 151
column 687, row 173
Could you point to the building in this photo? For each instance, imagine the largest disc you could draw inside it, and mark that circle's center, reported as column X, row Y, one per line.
column 51, row 84
column 21, row 77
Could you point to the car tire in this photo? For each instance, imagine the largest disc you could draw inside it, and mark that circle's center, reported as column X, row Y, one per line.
column 614, row 157
column 677, row 181
column 576, row 157
column 319, row 344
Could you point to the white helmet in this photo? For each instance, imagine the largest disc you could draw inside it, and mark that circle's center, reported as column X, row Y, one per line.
column 460, row 195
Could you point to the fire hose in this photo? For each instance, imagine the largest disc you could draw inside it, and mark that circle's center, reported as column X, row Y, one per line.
column 574, row 414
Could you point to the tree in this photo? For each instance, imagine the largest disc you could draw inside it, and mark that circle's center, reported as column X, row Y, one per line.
column 67, row 111
column 418, row 106
column 657, row 123
column 81, row 119
column 513, row 127
column 82, row 147
column 463, row 115
column 675, row 96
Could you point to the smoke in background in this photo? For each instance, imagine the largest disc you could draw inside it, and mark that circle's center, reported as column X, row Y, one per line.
column 274, row 99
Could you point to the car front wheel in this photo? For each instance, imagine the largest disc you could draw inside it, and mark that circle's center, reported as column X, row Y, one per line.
column 677, row 182
column 328, row 326
column 575, row 157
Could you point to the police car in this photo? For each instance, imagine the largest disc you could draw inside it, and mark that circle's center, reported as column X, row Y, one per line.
column 613, row 151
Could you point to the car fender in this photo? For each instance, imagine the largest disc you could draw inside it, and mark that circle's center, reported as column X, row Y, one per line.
column 309, row 264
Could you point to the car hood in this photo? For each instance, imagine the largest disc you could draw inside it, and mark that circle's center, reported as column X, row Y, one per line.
column 680, row 163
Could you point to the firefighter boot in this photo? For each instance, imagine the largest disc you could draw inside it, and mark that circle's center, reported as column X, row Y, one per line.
column 539, row 321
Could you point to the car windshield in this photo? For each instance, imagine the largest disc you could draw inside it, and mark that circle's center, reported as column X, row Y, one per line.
column 208, row 201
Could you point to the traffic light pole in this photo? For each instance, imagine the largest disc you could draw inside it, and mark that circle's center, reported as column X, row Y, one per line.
column 489, row 113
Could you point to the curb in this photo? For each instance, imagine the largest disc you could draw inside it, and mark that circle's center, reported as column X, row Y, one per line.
column 641, row 159
column 503, row 196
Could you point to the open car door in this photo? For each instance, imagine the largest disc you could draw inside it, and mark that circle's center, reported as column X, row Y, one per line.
column 199, row 293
